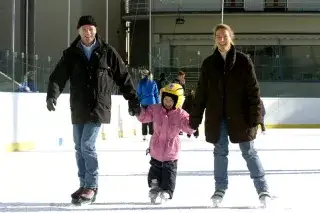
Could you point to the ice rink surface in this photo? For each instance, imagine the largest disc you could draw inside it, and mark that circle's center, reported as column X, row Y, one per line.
column 42, row 180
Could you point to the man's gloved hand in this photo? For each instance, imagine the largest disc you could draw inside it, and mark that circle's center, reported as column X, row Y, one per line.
column 51, row 103
column 134, row 107
column 147, row 151
column 254, row 125
column 194, row 123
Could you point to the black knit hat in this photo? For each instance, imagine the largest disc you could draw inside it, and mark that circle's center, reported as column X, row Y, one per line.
column 86, row 20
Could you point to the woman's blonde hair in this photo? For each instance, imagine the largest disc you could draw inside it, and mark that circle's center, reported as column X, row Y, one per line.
column 150, row 77
column 224, row 27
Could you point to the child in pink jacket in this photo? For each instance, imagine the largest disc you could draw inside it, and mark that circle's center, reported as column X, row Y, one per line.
column 168, row 120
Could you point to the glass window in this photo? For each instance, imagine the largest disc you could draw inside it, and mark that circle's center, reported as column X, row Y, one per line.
column 189, row 56
column 275, row 5
column 279, row 69
column 234, row 5
column 301, row 63
column 188, row 59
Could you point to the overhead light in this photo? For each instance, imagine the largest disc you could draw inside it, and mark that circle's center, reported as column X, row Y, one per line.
column 180, row 20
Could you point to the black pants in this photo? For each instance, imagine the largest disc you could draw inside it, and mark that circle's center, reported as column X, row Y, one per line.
column 165, row 173
column 195, row 134
column 146, row 127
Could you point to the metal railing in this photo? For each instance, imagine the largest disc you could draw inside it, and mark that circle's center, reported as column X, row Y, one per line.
column 30, row 73
column 21, row 72
column 142, row 6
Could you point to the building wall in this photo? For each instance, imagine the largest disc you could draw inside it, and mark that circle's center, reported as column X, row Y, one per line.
column 139, row 43
column 298, row 43
column 241, row 23
column 51, row 24
column 268, row 29
column 6, row 25
column 215, row 6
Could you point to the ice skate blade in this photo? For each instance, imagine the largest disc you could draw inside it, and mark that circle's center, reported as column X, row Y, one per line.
column 75, row 202
column 216, row 203
column 265, row 202
column 81, row 204
column 153, row 201
column 163, row 200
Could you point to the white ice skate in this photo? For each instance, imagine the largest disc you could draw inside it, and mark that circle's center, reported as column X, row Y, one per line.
column 154, row 191
column 153, row 195
column 144, row 137
column 265, row 199
column 216, row 201
column 217, row 198
column 164, row 197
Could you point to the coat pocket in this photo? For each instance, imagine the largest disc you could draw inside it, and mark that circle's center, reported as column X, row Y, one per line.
column 238, row 128
column 104, row 80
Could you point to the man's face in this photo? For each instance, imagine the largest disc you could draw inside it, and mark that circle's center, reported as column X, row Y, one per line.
column 87, row 34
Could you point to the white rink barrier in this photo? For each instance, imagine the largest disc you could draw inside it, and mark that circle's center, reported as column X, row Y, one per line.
column 26, row 123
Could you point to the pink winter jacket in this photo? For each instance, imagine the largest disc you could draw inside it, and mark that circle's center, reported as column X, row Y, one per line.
column 165, row 142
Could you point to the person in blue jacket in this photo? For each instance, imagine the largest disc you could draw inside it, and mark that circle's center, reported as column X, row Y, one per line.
column 148, row 94
column 28, row 84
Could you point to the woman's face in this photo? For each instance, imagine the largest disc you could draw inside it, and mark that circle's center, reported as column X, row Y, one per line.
column 168, row 102
column 223, row 40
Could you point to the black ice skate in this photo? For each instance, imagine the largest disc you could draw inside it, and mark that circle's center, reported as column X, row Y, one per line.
column 88, row 196
column 75, row 196
column 217, row 197
column 264, row 198
column 154, row 191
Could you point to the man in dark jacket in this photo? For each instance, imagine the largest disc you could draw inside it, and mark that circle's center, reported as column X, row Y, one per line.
column 229, row 93
column 92, row 66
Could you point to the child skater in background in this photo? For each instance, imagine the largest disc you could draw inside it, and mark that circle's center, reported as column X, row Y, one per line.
column 168, row 120
column 187, row 106
column 263, row 128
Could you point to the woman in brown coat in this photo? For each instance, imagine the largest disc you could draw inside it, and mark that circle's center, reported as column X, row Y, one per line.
column 229, row 92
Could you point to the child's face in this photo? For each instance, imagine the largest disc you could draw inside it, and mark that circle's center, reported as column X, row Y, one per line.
column 168, row 102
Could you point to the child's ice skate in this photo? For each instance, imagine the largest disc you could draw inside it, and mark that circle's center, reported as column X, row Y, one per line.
column 217, row 197
column 154, row 191
column 165, row 196
column 264, row 198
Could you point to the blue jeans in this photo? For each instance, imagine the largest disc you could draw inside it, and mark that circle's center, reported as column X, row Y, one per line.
column 249, row 154
column 84, row 136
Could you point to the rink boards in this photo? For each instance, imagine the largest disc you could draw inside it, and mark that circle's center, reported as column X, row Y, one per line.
column 25, row 121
